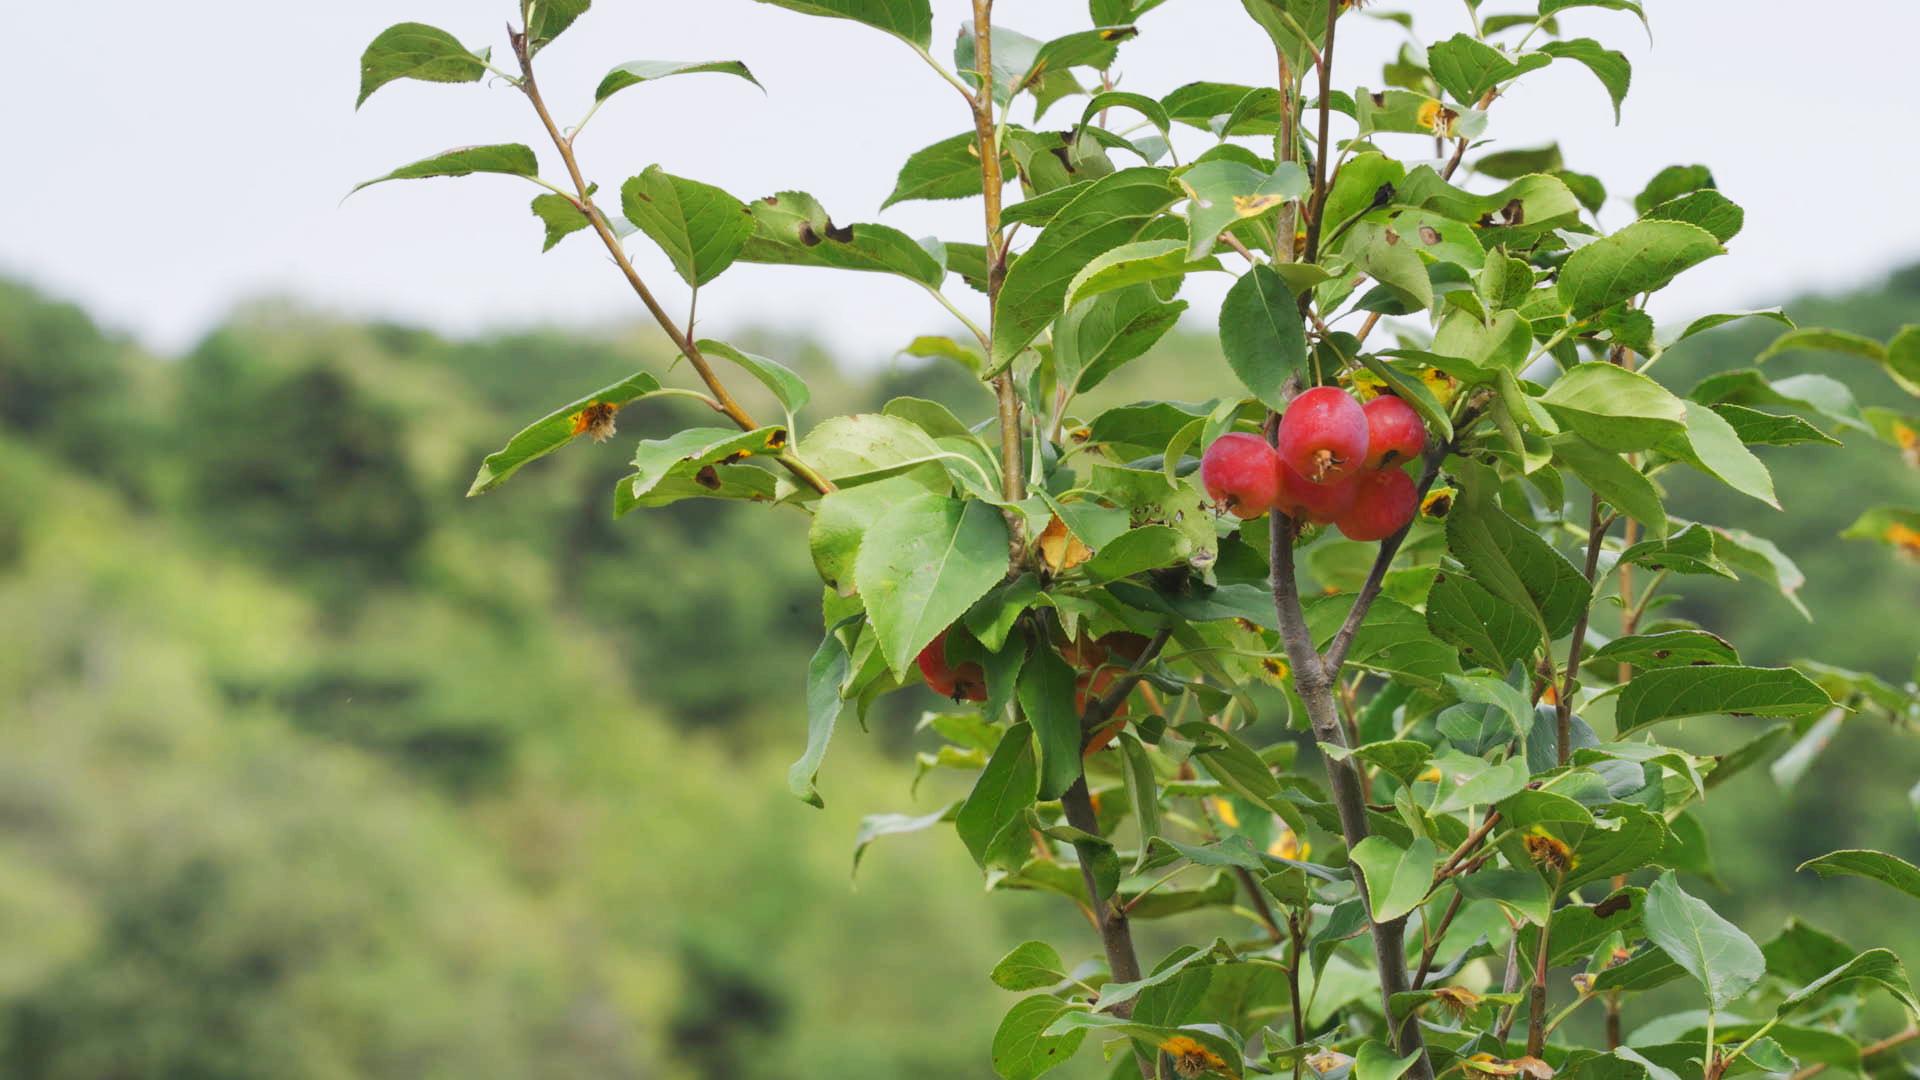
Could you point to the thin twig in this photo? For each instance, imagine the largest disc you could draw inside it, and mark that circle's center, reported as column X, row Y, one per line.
column 682, row 341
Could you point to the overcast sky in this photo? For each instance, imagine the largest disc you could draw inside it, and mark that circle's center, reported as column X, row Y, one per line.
column 167, row 160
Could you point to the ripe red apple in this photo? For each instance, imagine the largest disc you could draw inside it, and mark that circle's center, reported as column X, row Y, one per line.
column 964, row 683
column 1383, row 503
column 1323, row 434
column 1303, row 500
column 1237, row 471
column 1395, row 433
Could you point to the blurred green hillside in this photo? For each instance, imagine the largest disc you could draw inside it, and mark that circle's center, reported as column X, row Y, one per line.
column 314, row 769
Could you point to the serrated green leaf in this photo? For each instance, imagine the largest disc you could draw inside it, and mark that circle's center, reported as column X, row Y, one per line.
column 1515, row 565
column 1672, row 693
column 826, row 674
column 992, row 820
column 1877, row 866
column 1397, row 879
column 557, row 429
column 1222, row 193
column 1643, row 257
column 1877, row 966
column 1262, row 335
column 1489, row 633
column 787, row 387
column 1032, row 965
column 1712, row 446
column 412, row 50
column 792, row 229
column 700, row 227
column 1046, row 699
column 1109, row 212
column 1615, row 408
column 1714, row 951
column 909, row 20
column 1607, row 65
column 1467, row 68
column 506, row 159
column 636, row 72
column 1021, row 1049
column 949, row 169
column 1670, row 648
column 1614, row 479
column 922, row 565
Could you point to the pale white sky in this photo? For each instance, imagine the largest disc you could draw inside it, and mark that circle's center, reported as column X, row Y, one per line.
column 165, row 160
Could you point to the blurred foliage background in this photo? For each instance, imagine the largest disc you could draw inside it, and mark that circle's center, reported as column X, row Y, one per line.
column 310, row 768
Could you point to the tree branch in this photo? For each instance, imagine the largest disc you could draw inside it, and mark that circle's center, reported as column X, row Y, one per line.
column 1322, row 152
column 1316, row 692
column 1012, row 468
column 681, row 340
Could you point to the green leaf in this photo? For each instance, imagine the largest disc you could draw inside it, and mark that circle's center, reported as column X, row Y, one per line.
column 1487, row 632
column 1397, row 880
column 1467, row 68
column 1692, row 550
column 1614, row 479
column 992, row 822
column 1610, row 67
column 1374, row 1061
column 1643, row 257
column 1756, row 428
column 1877, row 966
column 1672, row 693
column 557, row 429
column 1138, row 263
column 826, row 674
column 1382, row 253
column 1136, row 550
column 1046, row 699
column 1094, row 339
column 700, row 227
column 1032, row 965
column 922, row 565
column 413, row 50
column 560, row 216
column 506, row 159
column 1523, row 892
column 636, row 72
column 949, row 169
column 792, row 229
column 1223, row 192
column 1510, row 561
column 1262, row 335
column 1710, row 210
column 686, row 452
column 1403, row 759
column 1470, row 781
column 1712, row 446
column 909, row 20
column 875, row 826
column 720, row 481
column 1141, row 792
column 1506, row 702
column 787, row 387
column 1021, row 1049
column 1900, row 359
column 548, row 19
column 1671, row 648
column 1711, row 949
column 1110, row 212
column 1615, row 408
column 1877, row 866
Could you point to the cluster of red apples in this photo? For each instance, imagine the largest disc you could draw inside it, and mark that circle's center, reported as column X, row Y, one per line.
column 1335, row 462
